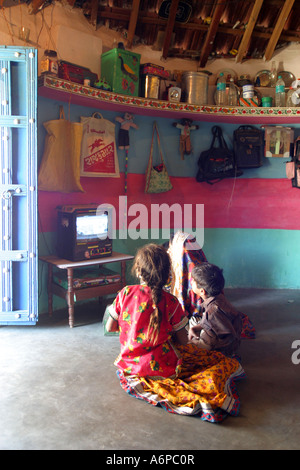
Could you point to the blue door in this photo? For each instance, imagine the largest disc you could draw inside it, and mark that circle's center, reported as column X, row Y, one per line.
column 18, row 188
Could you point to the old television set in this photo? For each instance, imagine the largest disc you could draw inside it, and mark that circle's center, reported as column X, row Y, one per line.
column 84, row 231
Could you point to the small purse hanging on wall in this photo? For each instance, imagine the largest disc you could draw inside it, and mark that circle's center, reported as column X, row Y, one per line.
column 157, row 178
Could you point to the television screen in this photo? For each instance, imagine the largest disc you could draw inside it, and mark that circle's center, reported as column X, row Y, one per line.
column 90, row 227
column 84, row 232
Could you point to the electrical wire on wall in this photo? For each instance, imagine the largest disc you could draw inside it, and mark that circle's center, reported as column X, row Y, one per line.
column 7, row 22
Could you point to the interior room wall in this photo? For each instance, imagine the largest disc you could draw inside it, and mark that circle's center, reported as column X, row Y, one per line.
column 251, row 224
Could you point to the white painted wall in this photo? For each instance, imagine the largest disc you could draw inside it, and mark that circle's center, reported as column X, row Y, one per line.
column 85, row 47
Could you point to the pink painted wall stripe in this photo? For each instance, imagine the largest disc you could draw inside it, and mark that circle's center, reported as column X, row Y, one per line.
column 242, row 203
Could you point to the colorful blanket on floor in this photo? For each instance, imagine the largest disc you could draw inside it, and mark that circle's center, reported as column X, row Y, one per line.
column 248, row 329
column 205, row 386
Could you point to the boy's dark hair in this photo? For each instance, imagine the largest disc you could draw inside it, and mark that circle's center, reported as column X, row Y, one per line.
column 209, row 277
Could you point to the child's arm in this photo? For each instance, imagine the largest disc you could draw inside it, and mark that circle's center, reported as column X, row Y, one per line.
column 181, row 336
column 194, row 332
column 200, row 337
column 112, row 325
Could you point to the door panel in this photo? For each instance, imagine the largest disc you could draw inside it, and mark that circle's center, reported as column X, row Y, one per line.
column 18, row 188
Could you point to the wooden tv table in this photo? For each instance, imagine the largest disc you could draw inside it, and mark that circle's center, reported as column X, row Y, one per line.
column 71, row 293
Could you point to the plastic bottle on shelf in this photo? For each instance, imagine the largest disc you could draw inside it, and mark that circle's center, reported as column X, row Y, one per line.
column 280, row 93
column 221, row 91
column 289, row 102
column 293, row 95
column 232, row 94
column 273, row 73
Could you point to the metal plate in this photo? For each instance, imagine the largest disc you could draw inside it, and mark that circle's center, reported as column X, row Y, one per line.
column 287, row 77
column 263, row 78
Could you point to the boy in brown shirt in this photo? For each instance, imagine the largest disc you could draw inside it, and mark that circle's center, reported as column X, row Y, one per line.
column 218, row 325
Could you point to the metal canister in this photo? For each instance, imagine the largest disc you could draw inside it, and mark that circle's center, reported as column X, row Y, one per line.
column 248, row 91
column 195, row 87
column 150, row 86
column 49, row 63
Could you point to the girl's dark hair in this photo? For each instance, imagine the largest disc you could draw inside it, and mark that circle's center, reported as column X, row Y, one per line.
column 209, row 277
column 152, row 263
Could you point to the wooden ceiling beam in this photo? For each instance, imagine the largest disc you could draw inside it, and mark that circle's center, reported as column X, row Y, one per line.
column 169, row 28
column 143, row 18
column 212, row 31
column 94, row 14
column 124, row 15
column 132, row 22
column 249, row 30
column 285, row 11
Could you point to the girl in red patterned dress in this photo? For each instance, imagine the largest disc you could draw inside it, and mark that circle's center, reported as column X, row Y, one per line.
column 155, row 362
column 147, row 316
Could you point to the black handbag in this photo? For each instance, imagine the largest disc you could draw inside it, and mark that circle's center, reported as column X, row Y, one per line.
column 217, row 162
column 248, row 147
column 293, row 166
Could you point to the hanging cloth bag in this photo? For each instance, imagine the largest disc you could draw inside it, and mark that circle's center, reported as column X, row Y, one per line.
column 157, row 178
column 99, row 152
column 60, row 166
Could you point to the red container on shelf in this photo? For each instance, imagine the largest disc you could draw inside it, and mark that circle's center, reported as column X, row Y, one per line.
column 75, row 73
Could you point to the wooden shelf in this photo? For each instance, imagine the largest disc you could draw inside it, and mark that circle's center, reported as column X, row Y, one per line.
column 73, row 93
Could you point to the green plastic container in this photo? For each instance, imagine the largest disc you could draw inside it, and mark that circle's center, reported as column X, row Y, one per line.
column 267, row 101
column 121, row 69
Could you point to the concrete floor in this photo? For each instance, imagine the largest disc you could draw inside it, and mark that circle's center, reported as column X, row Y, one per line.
column 59, row 388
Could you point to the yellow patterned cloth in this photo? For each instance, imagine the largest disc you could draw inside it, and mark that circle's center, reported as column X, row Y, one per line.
column 204, row 387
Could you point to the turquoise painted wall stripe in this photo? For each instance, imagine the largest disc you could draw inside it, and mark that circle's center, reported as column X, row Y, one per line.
column 255, row 258
column 250, row 258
